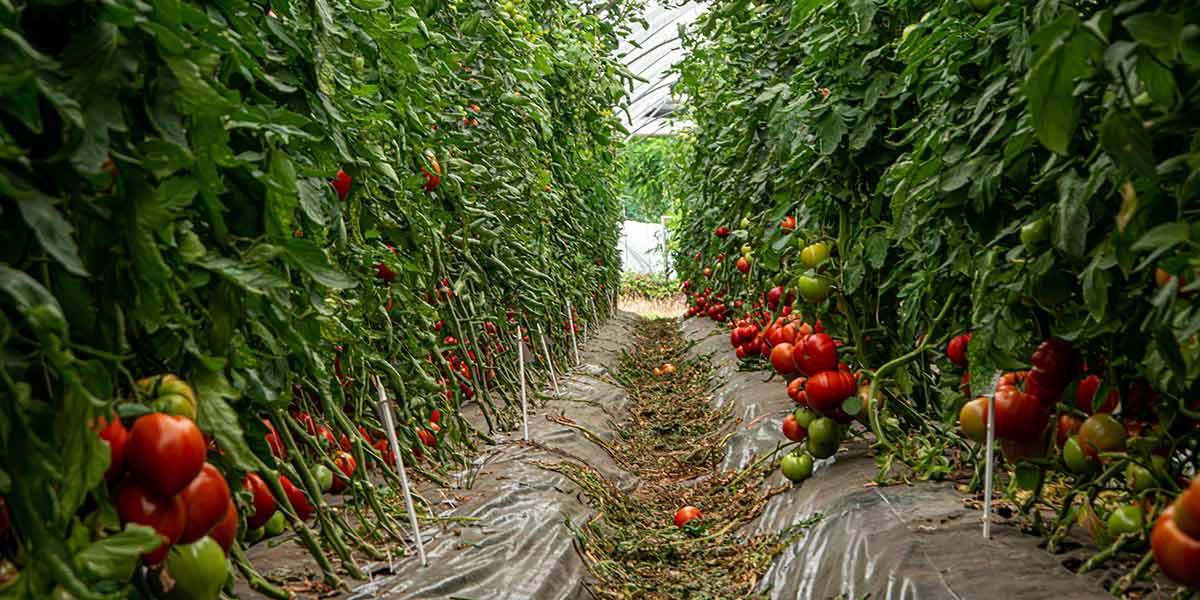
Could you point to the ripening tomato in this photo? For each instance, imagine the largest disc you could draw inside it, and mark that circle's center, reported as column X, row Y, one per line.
column 826, row 391
column 117, row 437
column 972, row 419
column 432, row 179
column 1067, row 426
column 263, row 502
column 297, row 498
column 956, row 350
column 1019, row 416
column 137, row 503
column 814, row 254
column 815, row 353
column 743, row 264
column 792, row 429
column 1187, row 509
column 225, row 531
column 686, row 514
column 781, row 358
column 1101, row 433
column 165, row 452
column 207, row 498
column 347, row 465
column 1085, row 396
column 1176, row 552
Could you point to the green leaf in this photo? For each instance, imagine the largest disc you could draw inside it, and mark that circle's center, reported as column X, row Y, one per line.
column 32, row 300
column 215, row 416
column 1123, row 137
column 256, row 279
column 309, row 258
column 1050, row 85
column 1163, row 237
column 1070, row 235
column 852, row 405
column 53, row 232
column 1156, row 30
column 116, row 556
column 282, row 196
column 830, row 129
column 1096, row 282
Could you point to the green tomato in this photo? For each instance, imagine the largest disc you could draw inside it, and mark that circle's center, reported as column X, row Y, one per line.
column 814, row 289
column 175, row 404
column 1077, row 461
column 746, row 223
column 982, row 5
column 276, row 525
column 814, row 254
column 1140, row 478
column 198, row 569
column 823, row 437
column 1126, row 519
column 796, row 466
column 907, row 31
column 324, row 477
column 746, row 249
column 1034, row 233
column 805, row 416
column 254, row 535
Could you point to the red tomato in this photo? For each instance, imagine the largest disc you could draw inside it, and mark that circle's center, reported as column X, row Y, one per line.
column 966, row 383
column 743, row 265
column 792, row 429
column 774, row 296
column 1085, row 396
column 5, row 518
column 781, row 358
column 165, row 452
column 341, row 184
column 685, row 514
column 263, row 504
column 274, row 441
column 722, row 231
column 426, row 437
column 206, row 497
column 1187, row 509
column 137, row 503
column 1041, row 386
column 323, row 433
column 788, row 223
column 297, row 498
column 225, row 531
column 816, row 353
column 1019, row 416
column 1058, row 359
column 795, row 387
column 115, row 434
column 347, row 465
column 956, row 350
column 826, row 390
column 1176, row 552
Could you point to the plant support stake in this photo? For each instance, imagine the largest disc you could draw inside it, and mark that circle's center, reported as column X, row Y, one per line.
column 571, row 324
column 990, row 468
column 549, row 363
column 389, row 427
column 521, row 369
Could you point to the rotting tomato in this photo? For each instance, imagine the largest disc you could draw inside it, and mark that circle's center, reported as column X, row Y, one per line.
column 198, row 569
column 826, row 391
column 297, row 498
column 815, row 353
column 792, row 429
column 1176, row 553
column 165, row 452
column 117, row 437
column 972, row 419
column 685, row 515
column 1101, row 433
column 137, row 503
column 206, row 498
column 263, row 501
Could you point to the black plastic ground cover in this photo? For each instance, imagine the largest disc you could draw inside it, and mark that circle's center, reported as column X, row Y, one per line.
column 918, row 541
column 520, row 546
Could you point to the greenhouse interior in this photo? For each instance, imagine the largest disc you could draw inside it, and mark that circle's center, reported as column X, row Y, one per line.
column 599, row 299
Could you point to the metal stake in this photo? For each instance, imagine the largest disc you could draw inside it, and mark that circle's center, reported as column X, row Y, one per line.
column 991, row 463
column 389, row 427
column 521, row 369
column 549, row 363
column 571, row 324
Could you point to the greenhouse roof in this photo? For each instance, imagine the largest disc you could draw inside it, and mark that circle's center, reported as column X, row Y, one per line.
column 650, row 52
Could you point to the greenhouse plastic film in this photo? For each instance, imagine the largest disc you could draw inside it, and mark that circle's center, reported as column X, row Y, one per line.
column 896, row 542
column 519, row 546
